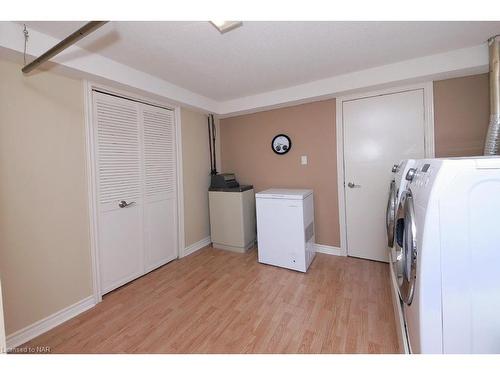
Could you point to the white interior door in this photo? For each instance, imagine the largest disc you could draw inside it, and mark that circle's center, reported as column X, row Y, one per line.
column 136, row 188
column 160, row 193
column 118, row 157
column 378, row 132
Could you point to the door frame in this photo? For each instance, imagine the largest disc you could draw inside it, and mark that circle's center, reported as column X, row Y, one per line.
column 93, row 213
column 427, row 88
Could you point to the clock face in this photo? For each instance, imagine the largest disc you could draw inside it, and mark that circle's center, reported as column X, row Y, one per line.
column 281, row 144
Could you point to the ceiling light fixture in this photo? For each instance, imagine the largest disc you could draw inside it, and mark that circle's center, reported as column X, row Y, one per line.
column 225, row 26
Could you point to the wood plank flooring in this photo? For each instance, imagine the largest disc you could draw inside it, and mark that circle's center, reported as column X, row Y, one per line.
column 217, row 301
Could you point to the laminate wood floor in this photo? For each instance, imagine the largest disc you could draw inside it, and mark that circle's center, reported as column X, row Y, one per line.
column 217, row 301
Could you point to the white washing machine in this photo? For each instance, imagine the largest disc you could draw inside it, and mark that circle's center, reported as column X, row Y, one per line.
column 396, row 188
column 285, row 228
column 450, row 255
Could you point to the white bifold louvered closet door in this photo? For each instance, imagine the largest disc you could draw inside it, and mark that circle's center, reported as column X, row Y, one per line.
column 136, row 188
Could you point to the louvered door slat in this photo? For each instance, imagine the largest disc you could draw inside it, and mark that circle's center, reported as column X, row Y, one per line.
column 118, row 147
column 159, row 152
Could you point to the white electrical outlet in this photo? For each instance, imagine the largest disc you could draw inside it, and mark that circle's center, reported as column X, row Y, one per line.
column 303, row 160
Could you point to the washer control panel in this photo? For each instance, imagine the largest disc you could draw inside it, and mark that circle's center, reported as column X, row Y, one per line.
column 422, row 175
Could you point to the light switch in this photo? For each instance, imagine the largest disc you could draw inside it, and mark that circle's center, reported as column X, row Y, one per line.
column 303, row 160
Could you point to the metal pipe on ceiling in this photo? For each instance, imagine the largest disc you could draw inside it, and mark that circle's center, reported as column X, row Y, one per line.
column 63, row 44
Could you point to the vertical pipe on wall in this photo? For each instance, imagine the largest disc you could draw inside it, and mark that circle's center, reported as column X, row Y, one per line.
column 492, row 146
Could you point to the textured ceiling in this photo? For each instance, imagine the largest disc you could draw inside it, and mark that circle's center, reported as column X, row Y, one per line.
column 264, row 56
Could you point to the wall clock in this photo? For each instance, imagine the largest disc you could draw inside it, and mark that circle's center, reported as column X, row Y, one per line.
column 281, row 144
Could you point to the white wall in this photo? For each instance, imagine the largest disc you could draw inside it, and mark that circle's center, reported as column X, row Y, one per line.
column 196, row 173
column 44, row 233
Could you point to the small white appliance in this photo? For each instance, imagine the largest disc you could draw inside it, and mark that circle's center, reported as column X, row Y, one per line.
column 232, row 218
column 285, row 228
column 232, row 213
column 396, row 187
column 449, row 249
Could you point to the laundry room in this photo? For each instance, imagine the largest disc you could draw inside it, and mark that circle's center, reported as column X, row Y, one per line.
column 278, row 184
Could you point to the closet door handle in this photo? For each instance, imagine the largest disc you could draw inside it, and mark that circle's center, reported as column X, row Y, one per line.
column 124, row 204
column 352, row 185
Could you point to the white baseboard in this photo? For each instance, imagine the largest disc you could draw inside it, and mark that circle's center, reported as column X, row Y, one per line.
column 331, row 250
column 36, row 329
column 197, row 246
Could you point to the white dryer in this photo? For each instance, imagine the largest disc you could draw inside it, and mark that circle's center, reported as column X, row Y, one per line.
column 450, row 255
column 397, row 186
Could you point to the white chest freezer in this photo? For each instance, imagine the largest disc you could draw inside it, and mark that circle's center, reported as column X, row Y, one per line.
column 285, row 228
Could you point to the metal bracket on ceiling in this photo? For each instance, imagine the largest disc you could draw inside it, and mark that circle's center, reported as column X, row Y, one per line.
column 63, row 44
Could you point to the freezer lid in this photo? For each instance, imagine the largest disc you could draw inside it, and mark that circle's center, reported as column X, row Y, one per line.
column 284, row 194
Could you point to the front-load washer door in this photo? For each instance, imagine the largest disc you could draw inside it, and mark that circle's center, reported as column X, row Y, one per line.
column 390, row 214
column 404, row 249
column 397, row 253
column 410, row 248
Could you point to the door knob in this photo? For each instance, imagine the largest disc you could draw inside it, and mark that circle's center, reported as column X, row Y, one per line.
column 352, row 185
column 124, row 204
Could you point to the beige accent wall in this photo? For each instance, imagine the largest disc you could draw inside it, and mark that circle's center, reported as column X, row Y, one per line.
column 196, row 175
column 44, row 232
column 246, row 151
column 461, row 115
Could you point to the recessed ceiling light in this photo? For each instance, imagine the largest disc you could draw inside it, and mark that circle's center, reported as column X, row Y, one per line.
column 225, row 26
